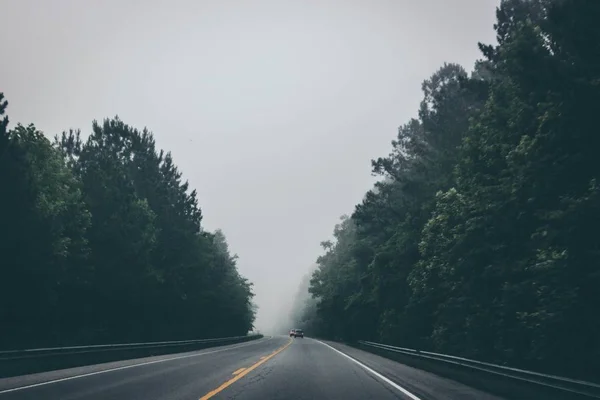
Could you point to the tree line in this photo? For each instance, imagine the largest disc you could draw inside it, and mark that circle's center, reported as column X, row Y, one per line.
column 101, row 241
column 481, row 237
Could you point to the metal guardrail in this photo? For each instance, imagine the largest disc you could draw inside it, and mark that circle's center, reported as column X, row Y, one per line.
column 567, row 385
column 49, row 351
column 19, row 362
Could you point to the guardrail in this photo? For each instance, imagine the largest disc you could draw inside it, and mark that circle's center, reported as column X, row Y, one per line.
column 556, row 384
column 20, row 362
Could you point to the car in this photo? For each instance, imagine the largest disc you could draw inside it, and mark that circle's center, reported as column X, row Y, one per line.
column 292, row 332
column 298, row 333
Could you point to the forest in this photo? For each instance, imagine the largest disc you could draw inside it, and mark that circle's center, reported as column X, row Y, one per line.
column 480, row 238
column 102, row 242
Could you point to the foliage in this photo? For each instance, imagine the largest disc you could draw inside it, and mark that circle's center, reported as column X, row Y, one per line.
column 480, row 238
column 102, row 242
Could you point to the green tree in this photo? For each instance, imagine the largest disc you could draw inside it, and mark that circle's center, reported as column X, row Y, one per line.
column 42, row 239
column 479, row 238
column 102, row 242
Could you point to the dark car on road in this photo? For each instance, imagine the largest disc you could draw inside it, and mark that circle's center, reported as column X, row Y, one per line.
column 298, row 333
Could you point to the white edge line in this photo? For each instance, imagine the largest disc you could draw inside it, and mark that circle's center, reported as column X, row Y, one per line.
column 68, row 378
column 377, row 374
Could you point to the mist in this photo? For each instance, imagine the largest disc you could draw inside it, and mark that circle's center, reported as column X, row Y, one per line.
column 294, row 312
column 272, row 110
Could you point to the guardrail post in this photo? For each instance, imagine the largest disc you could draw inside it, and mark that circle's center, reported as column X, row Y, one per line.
column 507, row 381
column 28, row 361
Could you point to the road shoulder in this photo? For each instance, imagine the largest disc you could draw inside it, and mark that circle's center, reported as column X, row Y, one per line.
column 88, row 370
column 422, row 383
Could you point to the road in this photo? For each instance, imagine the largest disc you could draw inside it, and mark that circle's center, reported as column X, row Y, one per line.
column 269, row 368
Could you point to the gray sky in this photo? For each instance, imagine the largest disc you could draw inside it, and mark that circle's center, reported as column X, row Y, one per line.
column 272, row 109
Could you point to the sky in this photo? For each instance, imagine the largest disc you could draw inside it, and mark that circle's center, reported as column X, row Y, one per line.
column 272, row 109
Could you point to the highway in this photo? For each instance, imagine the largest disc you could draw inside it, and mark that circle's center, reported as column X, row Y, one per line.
column 270, row 368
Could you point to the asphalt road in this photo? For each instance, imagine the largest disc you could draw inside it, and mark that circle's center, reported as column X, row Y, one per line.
column 270, row 368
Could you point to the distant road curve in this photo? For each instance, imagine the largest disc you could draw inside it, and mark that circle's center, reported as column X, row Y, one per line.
column 269, row 368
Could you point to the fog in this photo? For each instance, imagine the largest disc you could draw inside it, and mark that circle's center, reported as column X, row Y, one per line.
column 272, row 109
column 292, row 314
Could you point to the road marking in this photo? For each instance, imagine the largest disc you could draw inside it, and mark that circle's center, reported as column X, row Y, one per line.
column 128, row 366
column 262, row 357
column 377, row 374
column 238, row 371
column 244, row 373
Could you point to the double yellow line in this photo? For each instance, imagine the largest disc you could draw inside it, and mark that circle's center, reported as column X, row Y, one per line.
column 240, row 373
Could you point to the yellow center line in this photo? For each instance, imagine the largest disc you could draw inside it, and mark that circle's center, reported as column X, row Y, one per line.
column 243, row 373
column 238, row 371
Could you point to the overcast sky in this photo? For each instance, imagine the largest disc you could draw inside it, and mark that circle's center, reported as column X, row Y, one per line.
column 272, row 109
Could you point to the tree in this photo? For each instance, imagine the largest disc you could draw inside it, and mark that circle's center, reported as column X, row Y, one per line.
column 42, row 236
column 102, row 242
column 479, row 239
